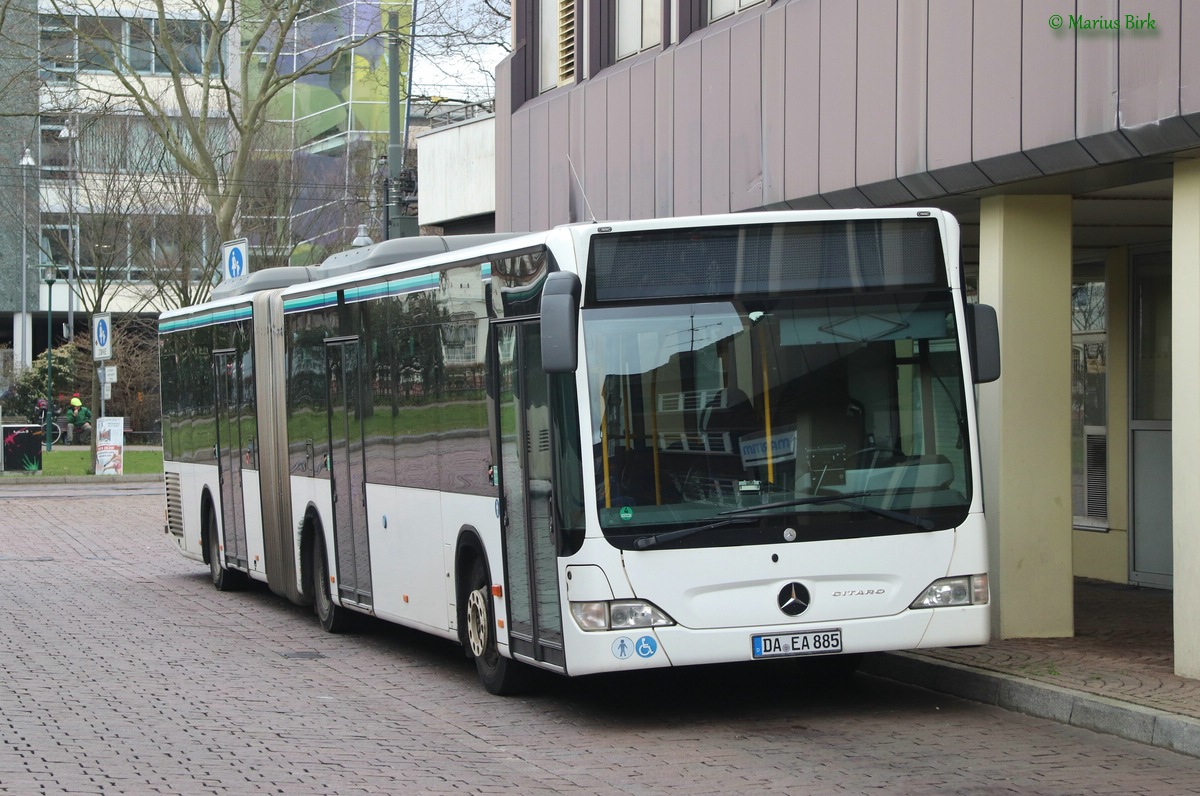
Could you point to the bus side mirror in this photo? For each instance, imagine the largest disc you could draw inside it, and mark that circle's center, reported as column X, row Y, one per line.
column 560, row 323
column 983, row 333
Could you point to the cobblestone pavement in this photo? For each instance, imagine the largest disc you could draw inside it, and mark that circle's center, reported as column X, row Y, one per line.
column 123, row 671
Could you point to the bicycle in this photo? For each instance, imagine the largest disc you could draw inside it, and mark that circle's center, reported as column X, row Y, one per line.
column 58, row 428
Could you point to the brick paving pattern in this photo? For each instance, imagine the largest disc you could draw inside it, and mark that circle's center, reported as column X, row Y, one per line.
column 123, row 671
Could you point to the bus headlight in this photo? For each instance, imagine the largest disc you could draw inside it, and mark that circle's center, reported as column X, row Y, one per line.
column 618, row 615
column 964, row 590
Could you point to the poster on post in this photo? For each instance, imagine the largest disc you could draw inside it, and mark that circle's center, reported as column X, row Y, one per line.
column 110, row 445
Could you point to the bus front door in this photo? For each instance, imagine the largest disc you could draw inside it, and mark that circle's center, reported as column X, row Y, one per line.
column 230, row 405
column 347, row 469
column 530, row 551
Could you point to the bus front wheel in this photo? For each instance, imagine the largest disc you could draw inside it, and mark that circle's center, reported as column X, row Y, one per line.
column 500, row 675
column 334, row 618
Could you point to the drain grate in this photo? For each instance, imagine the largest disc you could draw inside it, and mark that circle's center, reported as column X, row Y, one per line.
column 303, row 655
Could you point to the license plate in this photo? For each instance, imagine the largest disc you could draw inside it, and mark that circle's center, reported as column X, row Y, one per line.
column 802, row 642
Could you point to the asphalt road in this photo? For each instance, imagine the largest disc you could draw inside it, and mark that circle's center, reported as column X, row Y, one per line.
column 123, row 671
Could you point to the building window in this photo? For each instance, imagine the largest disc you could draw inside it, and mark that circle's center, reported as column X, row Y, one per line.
column 719, row 9
column 556, row 42
column 72, row 44
column 1089, row 406
column 638, row 24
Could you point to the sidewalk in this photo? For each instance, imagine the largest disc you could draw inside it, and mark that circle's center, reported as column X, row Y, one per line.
column 1115, row 676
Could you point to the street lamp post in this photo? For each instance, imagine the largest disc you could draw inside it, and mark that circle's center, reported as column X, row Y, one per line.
column 48, row 275
column 26, row 351
column 70, row 134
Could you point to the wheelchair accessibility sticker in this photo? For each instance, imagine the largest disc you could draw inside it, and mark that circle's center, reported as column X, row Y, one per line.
column 624, row 648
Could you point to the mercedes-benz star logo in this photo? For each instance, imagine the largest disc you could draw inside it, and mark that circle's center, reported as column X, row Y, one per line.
column 793, row 599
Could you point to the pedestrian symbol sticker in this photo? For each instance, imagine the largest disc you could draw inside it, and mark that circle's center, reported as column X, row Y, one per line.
column 646, row 647
column 622, row 649
column 236, row 255
column 235, row 262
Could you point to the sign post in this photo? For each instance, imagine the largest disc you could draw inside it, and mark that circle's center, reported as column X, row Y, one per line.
column 102, row 345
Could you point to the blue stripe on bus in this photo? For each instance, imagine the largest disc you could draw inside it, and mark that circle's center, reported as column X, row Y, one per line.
column 310, row 302
column 396, row 287
column 206, row 319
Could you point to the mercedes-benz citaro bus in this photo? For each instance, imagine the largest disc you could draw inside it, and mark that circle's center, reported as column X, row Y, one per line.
column 604, row 447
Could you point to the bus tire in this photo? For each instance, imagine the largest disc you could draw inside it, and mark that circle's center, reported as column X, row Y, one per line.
column 500, row 675
column 223, row 578
column 333, row 618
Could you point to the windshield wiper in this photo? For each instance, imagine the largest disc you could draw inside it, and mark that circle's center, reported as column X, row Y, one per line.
column 850, row 498
column 654, row 540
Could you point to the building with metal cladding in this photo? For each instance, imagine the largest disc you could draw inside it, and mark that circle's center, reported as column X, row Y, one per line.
column 1064, row 136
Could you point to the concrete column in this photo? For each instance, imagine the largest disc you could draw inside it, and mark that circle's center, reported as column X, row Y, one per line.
column 1025, row 273
column 22, row 341
column 1185, row 416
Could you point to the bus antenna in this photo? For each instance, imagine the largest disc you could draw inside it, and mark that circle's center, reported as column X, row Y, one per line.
column 582, row 192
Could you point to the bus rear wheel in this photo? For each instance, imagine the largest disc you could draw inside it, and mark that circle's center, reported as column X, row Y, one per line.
column 223, row 578
column 500, row 675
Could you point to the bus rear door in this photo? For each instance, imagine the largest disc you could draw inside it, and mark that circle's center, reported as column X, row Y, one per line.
column 347, row 469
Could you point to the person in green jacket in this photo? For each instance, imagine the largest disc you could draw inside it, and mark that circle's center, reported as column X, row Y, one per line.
column 79, row 422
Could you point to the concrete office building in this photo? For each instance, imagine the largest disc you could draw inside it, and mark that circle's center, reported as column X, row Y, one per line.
column 1063, row 136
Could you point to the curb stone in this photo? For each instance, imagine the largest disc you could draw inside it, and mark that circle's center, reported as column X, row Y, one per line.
column 1043, row 700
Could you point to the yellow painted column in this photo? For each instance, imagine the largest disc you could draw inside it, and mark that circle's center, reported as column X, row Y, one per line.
column 1185, row 414
column 1024, row 417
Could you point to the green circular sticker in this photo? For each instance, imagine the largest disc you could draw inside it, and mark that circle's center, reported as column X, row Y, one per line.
column 626, row 513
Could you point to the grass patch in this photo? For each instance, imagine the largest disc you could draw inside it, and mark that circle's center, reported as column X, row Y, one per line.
column 78, row 461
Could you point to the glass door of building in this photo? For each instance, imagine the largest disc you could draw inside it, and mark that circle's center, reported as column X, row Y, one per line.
column 1150, row 556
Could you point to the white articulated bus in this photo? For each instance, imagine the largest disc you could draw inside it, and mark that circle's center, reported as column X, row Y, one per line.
column 603, row 447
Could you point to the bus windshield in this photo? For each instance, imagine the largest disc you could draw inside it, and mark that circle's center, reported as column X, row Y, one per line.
column 820, row 417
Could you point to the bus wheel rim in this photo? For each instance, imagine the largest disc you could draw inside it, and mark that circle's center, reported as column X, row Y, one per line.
column 477, row 628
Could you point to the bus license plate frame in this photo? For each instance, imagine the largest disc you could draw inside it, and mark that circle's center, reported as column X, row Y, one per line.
column 796, row 644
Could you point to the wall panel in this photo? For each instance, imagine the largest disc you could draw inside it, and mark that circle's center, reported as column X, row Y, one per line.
column 593, row 172
column 745, row 178
column 876, row 92
column 618, row 122
column 714, row 129
column 688, row 123
column 839, row 65
column 642, row 140
column 802, row 99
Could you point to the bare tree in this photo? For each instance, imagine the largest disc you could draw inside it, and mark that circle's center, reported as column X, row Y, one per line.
column 461, row 41
column 209, row 77
column 298, row 205
column 205, row 74
column 176, row 245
